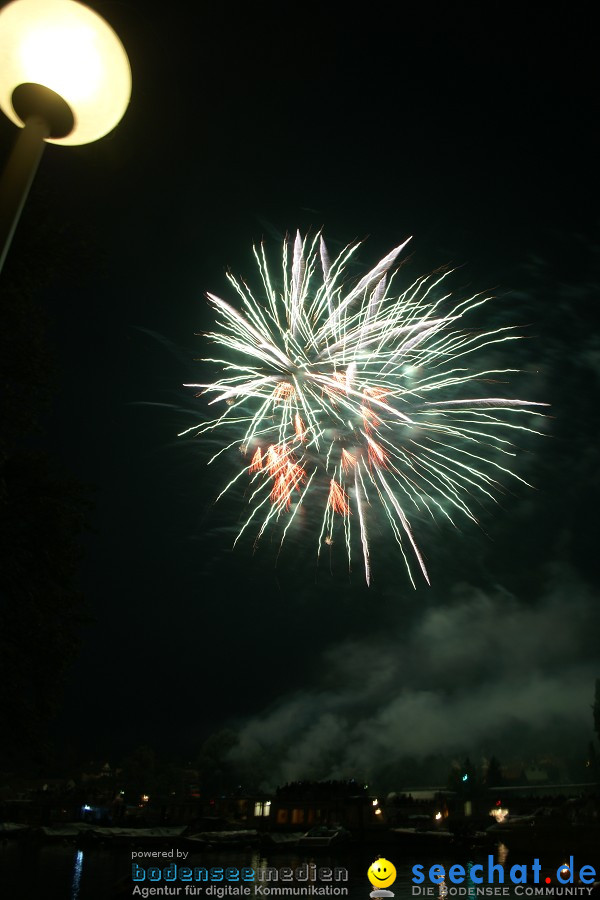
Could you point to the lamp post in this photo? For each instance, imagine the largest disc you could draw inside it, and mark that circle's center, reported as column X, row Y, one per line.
column 64, row 78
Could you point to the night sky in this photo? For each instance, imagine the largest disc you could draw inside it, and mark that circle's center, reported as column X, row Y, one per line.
column 472, row 128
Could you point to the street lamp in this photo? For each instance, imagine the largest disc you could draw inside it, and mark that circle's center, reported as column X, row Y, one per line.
column 65, row 77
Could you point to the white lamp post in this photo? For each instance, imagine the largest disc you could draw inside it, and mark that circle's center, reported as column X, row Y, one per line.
column 65, row 77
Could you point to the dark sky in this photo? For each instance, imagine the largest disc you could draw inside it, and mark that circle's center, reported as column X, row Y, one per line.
column 471, row 127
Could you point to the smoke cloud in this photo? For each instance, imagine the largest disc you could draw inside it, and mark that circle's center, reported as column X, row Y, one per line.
column 484, row 674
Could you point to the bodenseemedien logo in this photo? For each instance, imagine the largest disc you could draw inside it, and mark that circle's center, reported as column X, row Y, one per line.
column 307, row 880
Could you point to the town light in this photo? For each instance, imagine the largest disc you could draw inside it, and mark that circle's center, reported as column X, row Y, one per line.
column 65, row 77
column 499, row 813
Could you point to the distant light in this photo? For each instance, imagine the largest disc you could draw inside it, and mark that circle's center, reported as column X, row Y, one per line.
column 377, row 812
column 438, row 816
column 465, row 777
column 375, row 802
column 87, row 808
column 499, row 814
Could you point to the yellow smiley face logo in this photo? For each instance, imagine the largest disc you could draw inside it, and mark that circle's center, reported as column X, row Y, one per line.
column 382, row 873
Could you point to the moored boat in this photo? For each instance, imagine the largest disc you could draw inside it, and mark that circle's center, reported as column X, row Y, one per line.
column 324, row 836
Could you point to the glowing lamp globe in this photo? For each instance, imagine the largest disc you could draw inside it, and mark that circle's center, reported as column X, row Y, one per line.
column 62, row 61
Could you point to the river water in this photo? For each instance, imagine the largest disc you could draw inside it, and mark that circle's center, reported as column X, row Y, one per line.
column 30, row 871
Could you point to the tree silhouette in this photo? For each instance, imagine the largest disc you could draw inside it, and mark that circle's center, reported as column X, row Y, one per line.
column 493, row 775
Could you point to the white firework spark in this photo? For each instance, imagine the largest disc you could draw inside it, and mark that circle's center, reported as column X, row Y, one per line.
column 355, row 398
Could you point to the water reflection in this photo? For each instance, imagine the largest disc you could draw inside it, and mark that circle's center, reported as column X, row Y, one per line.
column 77, row 869
column 470, row 883
column 54, row 871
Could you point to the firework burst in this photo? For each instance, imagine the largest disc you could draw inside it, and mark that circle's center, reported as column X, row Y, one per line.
column 356, row 398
